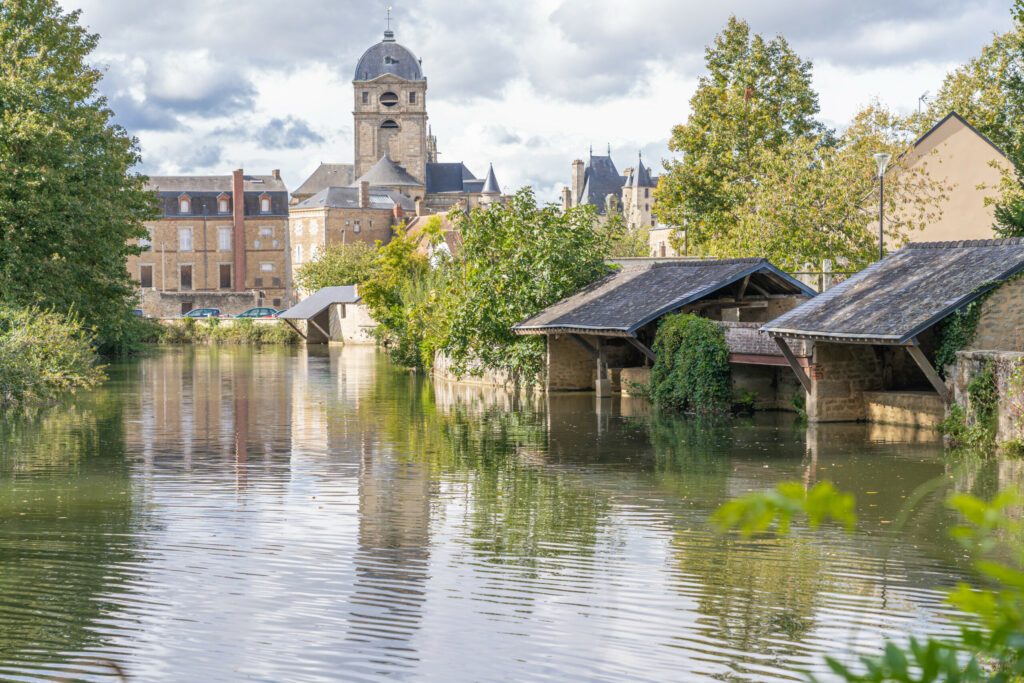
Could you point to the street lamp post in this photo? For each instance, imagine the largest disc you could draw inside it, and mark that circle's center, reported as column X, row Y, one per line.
column 882, row 160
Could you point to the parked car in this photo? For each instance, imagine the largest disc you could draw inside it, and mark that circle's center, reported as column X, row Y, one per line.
column 138, row 313
column 202, row 313
column 259, row 312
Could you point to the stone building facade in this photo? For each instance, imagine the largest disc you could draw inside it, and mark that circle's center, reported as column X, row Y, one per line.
column 219, row 241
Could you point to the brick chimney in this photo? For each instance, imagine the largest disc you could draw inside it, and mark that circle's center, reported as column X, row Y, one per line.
column 398, row 212
column 566, row 198
column 364, row 194
column 238, row 240
column 276, row 173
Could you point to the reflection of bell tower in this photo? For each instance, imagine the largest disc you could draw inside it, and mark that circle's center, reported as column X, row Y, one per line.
column 390, row 113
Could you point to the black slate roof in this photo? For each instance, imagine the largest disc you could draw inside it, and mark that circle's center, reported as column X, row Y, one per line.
column 348, row 198
column 447, row 177
column 387, row 173
column 628, row 299
column 601, row 179
column 491, row 185
column 897, row 298
column 388, row 57
column 205, row 191
column 326, row 175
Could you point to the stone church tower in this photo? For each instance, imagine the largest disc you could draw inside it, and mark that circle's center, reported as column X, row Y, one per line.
column 391, row 109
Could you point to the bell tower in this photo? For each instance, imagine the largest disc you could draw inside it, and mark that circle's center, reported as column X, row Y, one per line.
column 390, row 114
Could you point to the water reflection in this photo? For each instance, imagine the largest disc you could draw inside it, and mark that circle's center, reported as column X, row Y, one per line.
column 225, row 514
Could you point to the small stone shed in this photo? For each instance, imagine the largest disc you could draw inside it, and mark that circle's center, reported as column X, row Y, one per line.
column 331, row 314
column 872, row 338
column 600, row 338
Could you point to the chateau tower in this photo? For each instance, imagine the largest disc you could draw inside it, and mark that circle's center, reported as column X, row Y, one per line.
column 390, row 113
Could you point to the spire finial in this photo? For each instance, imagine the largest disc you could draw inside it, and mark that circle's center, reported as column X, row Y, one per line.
column 389, row 17
column 609, row 149
column 591, row 150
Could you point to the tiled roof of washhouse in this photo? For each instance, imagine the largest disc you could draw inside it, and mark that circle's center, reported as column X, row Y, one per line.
column 319, row 300
column 626, row 300
column 897, row 298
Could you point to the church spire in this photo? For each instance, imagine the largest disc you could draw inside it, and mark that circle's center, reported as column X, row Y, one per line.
column 389, row 35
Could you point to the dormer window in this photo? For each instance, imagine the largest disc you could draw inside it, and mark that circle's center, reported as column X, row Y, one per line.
column 264, row 203
column 184, row 204
column 223, row 203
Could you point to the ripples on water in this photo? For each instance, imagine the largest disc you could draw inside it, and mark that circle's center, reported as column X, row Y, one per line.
column 304, row 516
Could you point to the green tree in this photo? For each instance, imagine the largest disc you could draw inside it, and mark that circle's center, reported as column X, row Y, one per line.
column 516, row 259
column 69, row 201
column 691, row 372
column 623, row 241
column 337, row 265
column 816, row 199
column 989, row 92
column 756, row 97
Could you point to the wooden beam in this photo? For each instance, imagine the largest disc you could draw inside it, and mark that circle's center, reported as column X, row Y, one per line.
column 758, row 288
column 928, row 369
column 764, row 359
column 794, row 363
column 743, row 288
column 641, row 347
column 583, row 342
column 327, row 335
column 292, row 325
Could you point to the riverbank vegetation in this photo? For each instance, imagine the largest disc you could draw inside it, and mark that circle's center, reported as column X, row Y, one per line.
column 691, row 372
column 513, row 260
column 43, row 354
column 240, row 331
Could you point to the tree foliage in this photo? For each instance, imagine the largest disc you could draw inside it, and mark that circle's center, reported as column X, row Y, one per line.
column 760, row 176
column 69, row 202
column 336, row 266
column 756, row 98
column 691, row 372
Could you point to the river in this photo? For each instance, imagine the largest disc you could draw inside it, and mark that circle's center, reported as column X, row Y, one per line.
column 317, row 515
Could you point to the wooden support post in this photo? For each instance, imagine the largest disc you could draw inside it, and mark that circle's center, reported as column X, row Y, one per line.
column 793, row 363
column 327, row 335
column 641, row 347
column 292, row 325
column 928, row 369
column 743, row 288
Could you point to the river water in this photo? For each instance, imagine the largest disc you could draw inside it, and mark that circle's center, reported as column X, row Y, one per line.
column 294, row 515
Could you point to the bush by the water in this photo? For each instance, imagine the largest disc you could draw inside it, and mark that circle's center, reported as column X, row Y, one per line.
column 691, row 372
column 241, row 331
column 43, row 354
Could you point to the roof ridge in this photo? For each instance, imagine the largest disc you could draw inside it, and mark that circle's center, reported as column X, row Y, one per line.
column 962, row 244
column 706, row 262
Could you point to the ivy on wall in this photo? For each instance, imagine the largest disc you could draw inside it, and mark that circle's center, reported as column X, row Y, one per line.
column 691, row 372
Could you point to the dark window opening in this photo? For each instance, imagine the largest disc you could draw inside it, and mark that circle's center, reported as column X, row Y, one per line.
column 259, row 282
column 275, row 281
column 389, row 99
column 225, row 276
column 412, row 97
column 186, row 278
column 186, row 306
column 277, row 303
column 146, row 276
column 389, row 124
column 366, row 97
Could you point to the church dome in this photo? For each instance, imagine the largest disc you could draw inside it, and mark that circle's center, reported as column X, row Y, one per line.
column 388, row 57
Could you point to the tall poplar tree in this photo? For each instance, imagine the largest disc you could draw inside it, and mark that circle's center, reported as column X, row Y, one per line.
column 756, row 98
column 69, row 199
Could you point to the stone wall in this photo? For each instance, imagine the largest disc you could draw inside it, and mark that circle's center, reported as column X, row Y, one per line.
column 157, row 304
column 488, row 378
column 840, row 374
column 1011, row 398
column 1001, row 325
column 774, row 387
column 352, row 324
column 910, row 408
column 570, row 367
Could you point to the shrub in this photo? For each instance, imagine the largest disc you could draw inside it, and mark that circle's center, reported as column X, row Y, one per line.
column 691, row 372
column 242, row 331
column 43, row 354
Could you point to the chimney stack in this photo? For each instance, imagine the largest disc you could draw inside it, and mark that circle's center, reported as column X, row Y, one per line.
column 398, row 212
column 421, row 210
column 276, row 173
column 578, row 172
column 238, row 221
column 566, row 199
column 364, row 194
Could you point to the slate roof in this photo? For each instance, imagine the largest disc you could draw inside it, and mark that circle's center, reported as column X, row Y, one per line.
column 623, row 302
column 447, row 177
column 600, row 179
column 326, row 175
column 641, row 177
column 317, row 302
column 205, row 191
column 388, row 57
column 348, row 198
column 897, row 298
column 386, row 173
column 491, row 185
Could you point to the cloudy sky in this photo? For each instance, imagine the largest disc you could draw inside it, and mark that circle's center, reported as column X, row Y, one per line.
column 211, row 85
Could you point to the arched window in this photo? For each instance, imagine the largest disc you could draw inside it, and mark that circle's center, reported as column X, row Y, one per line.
column 265, row 203
column 390, row 124
column 388, row 131
column 223, row 204
column 184, row 204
